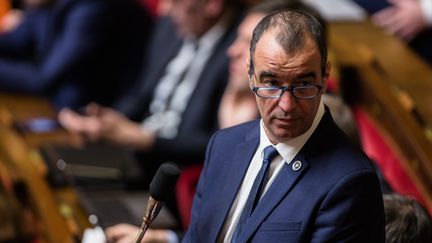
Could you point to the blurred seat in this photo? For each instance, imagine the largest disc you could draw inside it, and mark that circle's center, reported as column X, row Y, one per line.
column 185, row 191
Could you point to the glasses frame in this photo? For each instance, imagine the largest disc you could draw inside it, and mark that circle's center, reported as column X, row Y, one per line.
column 290, row 88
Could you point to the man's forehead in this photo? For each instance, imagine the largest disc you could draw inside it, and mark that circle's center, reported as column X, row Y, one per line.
column 268, row 46
column 285, row 41
column 270, row 57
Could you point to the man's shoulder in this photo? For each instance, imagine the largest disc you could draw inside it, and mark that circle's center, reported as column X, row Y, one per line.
column 340, row 152
column 241, row 130
column 230, row 137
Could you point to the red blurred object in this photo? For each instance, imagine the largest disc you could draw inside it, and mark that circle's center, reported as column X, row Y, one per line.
column 185, row 191
column 151, row 5
column 332, row 85
column 387, row 161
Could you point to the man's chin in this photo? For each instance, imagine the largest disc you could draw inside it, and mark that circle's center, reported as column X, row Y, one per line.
column 279, row 134
column 288, row 124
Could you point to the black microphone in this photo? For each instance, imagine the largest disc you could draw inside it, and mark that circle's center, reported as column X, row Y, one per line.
column 161, row 187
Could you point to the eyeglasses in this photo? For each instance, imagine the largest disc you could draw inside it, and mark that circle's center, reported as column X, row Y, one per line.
column 298, row 91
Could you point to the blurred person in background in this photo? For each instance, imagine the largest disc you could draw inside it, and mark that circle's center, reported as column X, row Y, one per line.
column 10, row 17
column 171, row 113
column 74, row 51
column 409, row 20
column 406, row 221
column 405, row 18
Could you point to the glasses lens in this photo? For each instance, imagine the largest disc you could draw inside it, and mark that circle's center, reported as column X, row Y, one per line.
column 269, row 92
column 305, row 92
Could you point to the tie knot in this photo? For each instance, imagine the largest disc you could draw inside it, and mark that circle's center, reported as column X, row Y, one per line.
column 270, row 153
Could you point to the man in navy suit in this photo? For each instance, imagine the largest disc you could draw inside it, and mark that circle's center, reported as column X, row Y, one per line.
column 317, row 187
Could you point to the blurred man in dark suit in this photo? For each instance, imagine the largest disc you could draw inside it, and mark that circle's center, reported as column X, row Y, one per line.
column 74, row 51
column 409, row 20
column 171, row 114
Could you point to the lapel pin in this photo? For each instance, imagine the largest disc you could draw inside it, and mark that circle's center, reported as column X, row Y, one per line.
column 297, row 165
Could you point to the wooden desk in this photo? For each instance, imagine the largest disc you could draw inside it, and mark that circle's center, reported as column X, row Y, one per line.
column 19, row 108
column 395, row 90
column 58, row 210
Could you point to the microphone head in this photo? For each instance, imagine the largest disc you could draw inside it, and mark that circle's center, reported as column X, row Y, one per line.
column 164, row 181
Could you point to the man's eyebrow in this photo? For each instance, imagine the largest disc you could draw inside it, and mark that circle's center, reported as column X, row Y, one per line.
column 307, row 75
column 267, row 74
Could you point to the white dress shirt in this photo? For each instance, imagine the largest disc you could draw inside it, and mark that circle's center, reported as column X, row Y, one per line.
column 175, row 88
column 287, row 151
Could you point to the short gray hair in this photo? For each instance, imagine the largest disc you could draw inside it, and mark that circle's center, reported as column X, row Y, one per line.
column 291, row 28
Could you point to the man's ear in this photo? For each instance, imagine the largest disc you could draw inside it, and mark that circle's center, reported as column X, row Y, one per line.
column 328, row 68
column 248, row 68
column 326, row 75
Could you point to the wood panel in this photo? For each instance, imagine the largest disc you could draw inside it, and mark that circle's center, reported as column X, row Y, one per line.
column 394, row 89
column 13, row 149
column 58, row 210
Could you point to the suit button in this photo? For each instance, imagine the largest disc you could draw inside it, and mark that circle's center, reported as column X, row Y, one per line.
column 297, row 165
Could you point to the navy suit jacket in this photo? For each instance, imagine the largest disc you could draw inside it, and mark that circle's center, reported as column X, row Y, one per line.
column 199, row 119
column 334, row 197
column 76, row 51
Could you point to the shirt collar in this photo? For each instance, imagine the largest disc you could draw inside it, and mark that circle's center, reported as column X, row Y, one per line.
column 288, row 149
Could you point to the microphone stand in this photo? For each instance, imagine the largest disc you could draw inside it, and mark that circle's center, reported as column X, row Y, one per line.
column 153, row 209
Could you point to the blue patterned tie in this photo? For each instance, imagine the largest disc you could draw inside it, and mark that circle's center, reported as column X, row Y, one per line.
column 255, row 193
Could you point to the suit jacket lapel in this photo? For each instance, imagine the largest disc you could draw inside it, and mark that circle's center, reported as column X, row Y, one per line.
column 288, row 176
column 237, row 167
column 283, row 183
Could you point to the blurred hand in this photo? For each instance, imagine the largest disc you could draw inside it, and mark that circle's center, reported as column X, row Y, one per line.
column 11, row 20
column 102, row 123
column 126, row 233
column 404, row 19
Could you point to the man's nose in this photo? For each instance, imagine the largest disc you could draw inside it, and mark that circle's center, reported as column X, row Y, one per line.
column 287, row 101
